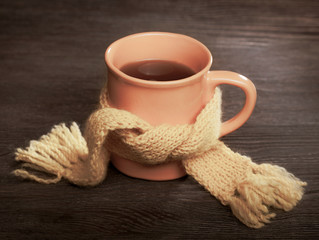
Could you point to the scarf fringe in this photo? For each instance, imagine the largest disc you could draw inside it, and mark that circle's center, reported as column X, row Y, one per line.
column 266, row 186
column 55, row 154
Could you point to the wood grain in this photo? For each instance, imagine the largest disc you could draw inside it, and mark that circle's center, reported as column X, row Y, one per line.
column 52, row 68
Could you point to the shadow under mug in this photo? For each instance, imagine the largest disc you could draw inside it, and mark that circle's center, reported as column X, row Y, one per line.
column 171, row 102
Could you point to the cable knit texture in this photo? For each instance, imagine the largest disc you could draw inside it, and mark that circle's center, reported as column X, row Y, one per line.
column 248, row 188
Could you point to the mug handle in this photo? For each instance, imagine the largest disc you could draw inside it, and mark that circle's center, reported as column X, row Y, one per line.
column 216, row 78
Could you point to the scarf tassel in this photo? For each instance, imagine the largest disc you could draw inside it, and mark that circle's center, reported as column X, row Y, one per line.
column 265, row 186
column 56, row 153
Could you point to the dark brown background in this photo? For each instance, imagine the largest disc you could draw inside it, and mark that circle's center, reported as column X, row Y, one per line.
column 51, row 70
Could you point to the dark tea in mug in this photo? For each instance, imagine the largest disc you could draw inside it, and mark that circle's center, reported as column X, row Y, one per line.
column 157, row 70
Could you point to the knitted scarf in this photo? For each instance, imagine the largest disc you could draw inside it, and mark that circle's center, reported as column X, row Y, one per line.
column 248, row 188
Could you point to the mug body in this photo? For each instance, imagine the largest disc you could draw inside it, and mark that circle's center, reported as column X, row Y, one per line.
column 158, row 102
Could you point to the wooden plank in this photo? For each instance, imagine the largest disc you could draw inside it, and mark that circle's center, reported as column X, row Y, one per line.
column 52, row 68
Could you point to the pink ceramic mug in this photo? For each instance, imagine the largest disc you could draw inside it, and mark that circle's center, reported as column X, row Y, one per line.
column 172, row 102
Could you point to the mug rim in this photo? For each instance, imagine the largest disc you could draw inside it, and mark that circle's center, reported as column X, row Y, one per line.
column 157, row 84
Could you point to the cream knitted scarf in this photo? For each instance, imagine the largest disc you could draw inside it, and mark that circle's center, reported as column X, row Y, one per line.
column 248, row 188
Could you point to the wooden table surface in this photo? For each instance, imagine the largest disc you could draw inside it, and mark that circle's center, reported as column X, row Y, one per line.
column 52, row 68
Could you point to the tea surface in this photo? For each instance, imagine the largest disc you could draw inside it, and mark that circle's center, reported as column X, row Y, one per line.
column 157, row 70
